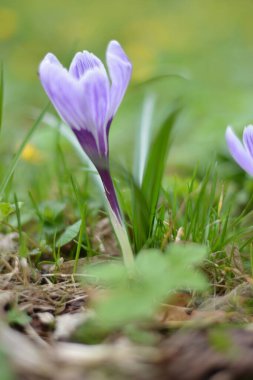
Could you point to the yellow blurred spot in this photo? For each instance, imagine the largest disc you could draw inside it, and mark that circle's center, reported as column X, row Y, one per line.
column 8, row 23
column 142, row 58
column 31, row 154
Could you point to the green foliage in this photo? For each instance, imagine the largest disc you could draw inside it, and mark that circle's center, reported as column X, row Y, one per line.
column 145, row 193
column 22, row 241
column 155, row 165
column 50, row 214
column 69, row 234
column 18, row 317
column 200, row 208
column 50, row 210
column 211, row 208
column 6, row 209
column 137, row 296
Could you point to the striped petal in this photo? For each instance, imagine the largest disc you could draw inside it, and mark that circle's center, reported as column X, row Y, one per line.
column 239, row 152
column 83, row 96
column 120, row 70
column 51, row 58
column 82, row 62
column 248, row 139
column 63, row 91
column 96, row 89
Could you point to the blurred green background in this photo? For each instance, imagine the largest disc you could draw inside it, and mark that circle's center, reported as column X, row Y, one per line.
column 206, row 46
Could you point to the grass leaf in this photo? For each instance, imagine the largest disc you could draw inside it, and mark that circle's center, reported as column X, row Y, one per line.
column 156, row 162
column 146, row 196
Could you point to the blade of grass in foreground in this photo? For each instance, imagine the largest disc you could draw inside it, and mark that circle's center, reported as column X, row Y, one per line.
column 145, row 196
column 156, row 162
column 15, row 159
column 1, row 94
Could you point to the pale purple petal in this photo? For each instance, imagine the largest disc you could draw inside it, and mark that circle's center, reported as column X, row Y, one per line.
column 248, row 139
column 64, row 93
column 238, row 151
column 87, row 101
column 82, row 62
column 51, row 58
column 120, row 70
column 96, row 87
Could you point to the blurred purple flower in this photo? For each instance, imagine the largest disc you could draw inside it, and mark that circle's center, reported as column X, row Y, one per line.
column 87, row 100
column 242, row 152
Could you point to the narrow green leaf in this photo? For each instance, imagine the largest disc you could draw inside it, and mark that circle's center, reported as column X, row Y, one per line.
column 161, row 77
column 79, row 242
column 141, row 217
column 155, row 166
column 22, row 242
column 156, row 161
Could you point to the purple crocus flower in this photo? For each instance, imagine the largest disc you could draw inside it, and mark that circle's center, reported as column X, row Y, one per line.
column 87, row 99
column 242, row 152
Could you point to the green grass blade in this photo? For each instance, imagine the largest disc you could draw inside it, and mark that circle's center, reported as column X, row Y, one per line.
column 16, row 158
column 156, row 162
column 145, row 194
column 22, row 245
column 161, row 77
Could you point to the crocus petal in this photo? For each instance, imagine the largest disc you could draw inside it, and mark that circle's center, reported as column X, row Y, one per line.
column 62, row 90
column 84, row 97
column 51, row 58
column 248, row 139
column 238, row 151
column 120, row 70
column 82, row 62
column 96, row 88
column 87, row 101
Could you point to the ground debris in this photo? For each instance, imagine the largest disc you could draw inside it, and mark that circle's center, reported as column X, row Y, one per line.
column 234, row 300
column 103, row 238
column 203, row 354
column 31, row 360
column 8, row 244
column 208, row 354
column 190, row 342
column 66, row 324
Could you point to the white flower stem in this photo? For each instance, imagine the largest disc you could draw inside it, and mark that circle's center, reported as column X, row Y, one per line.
column 123, row 239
